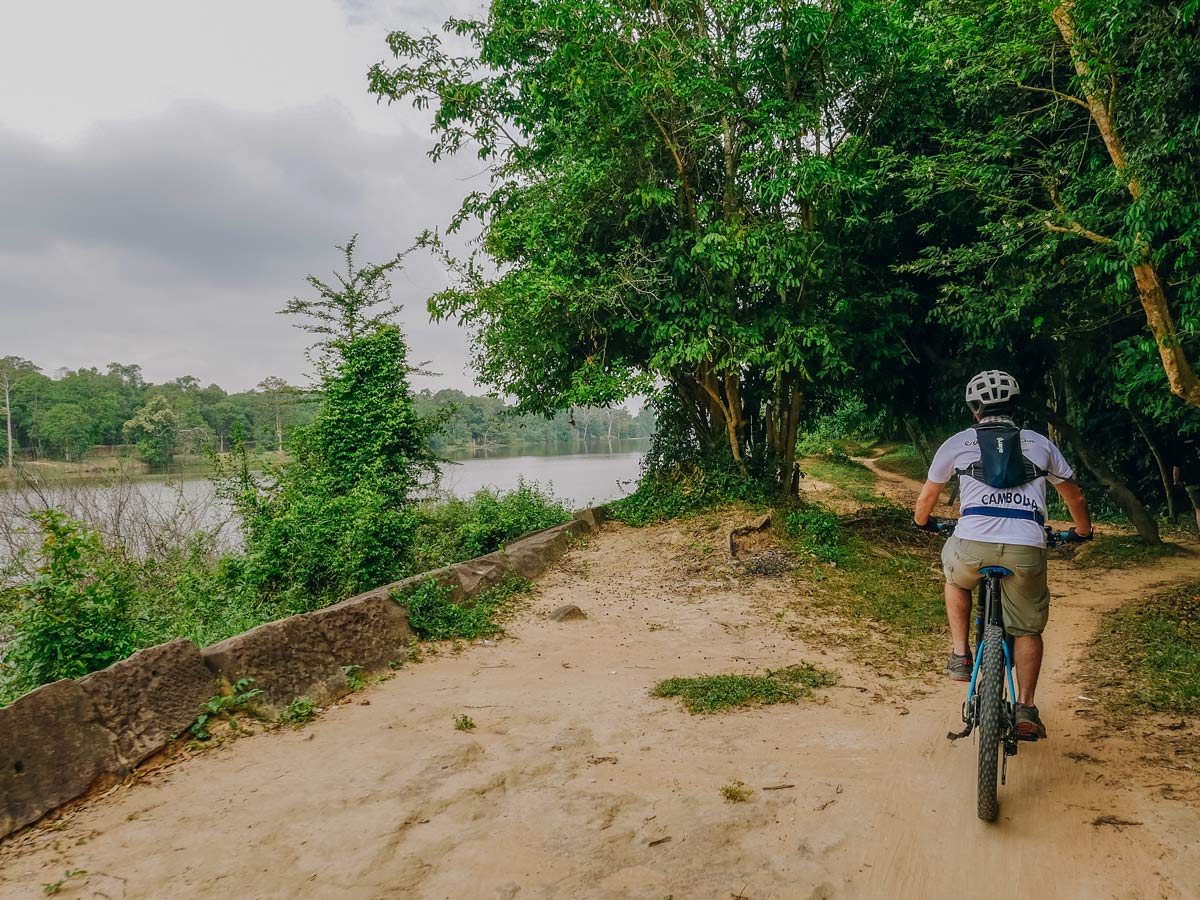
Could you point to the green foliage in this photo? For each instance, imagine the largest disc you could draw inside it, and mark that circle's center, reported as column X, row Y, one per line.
column 154, row 428
column 454, row 529
column 715, row 693
column 196, row 591
column 678, row 480
column 888, row 577
column 1153, row 650
column 66, row 426
column 223, row 705
column 849, row 420
column 464, row 723
column 63, row 417
column 896, row 590
column 818, row 531
column 435, row 616
column 354, row 677
column 298, row 712
column 467, row 423
column 73, row 617
column 662, row 208
column 338, row 518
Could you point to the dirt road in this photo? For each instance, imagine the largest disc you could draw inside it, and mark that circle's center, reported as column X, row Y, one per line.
column 577, row 784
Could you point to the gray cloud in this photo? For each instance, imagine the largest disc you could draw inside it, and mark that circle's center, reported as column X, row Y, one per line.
column 171, row 240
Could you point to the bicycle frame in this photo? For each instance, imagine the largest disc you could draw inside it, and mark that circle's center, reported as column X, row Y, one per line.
column 990, row 610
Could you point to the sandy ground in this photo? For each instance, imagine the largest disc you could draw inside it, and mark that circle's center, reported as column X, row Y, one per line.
column 577, row 784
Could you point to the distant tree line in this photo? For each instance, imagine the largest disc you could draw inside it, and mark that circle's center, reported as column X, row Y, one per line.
column 469, row 422
column 76, row 412
column 89, row 412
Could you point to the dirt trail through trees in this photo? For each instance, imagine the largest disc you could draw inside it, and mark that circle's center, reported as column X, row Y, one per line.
column 577, row 784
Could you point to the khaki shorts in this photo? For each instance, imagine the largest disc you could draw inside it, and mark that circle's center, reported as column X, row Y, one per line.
column 1026, row 597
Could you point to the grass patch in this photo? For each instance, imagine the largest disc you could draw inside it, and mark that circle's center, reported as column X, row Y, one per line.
column 1147, row 655
column 886, row 585
column 715, row 693
column 904, row 460
column 1119, row 551
column 895, row 588
column 464, row 723
column 435, row 616
column 736, row 792
column 851, row 477
column 455, row 529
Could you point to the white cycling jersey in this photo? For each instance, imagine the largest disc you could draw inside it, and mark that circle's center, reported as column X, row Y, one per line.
column 1001, row 515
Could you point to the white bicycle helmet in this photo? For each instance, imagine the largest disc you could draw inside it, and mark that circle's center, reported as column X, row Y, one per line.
column 991, row 389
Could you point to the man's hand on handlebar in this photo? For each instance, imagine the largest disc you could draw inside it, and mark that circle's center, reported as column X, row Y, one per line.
column 1074, row 537
column 931, row 525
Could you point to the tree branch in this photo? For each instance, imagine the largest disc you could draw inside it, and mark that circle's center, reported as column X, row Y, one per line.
column 1076, row 228
column 1070, row 98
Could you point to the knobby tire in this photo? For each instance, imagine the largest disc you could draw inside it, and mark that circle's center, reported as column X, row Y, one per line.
column 990, row 728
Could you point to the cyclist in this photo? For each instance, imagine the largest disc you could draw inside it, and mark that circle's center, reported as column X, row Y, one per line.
column 1002, row 472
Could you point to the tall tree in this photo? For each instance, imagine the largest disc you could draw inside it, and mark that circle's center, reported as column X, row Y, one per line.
column 681, row 192
column 1077, row 136
column 11, row 367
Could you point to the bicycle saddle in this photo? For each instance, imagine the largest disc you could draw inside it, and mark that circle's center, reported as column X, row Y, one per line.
column 998, row 571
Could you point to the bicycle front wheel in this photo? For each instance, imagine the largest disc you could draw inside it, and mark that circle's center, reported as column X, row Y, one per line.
column 990, row 688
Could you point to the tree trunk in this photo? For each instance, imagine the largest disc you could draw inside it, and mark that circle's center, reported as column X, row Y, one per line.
column 1180, row 374
column 918, row 438
column 1147, row 528
column 278, row 431
column 729, row 408
column 1163, row 471
column 8, row 417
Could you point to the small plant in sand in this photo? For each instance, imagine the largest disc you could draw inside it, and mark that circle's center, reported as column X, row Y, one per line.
column 299, row 712
column 223, row 705
column 354, row 677
column 53, row 887
column 736, row 792
column 464, row 723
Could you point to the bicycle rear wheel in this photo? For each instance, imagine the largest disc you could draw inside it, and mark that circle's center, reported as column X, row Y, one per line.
column 990, row 688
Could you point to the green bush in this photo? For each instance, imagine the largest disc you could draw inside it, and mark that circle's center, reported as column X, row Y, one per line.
column 339, row 518
column 73, row 616
column 818, row 531
column 454, row 529
column 195, row 592
column 436, row 617
column 665, row 494
column 849, row 421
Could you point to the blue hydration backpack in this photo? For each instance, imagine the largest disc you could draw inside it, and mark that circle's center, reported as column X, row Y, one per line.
column 1001, row 462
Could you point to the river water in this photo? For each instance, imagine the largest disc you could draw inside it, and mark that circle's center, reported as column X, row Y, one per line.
column 151, row 509
column 579, row 479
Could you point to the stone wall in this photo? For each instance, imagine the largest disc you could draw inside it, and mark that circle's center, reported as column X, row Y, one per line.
column 61, row 740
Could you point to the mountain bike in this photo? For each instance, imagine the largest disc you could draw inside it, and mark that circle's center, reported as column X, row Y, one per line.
column 990, row 707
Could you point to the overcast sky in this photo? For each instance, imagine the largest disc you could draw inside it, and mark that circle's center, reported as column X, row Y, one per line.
column 169, row 173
